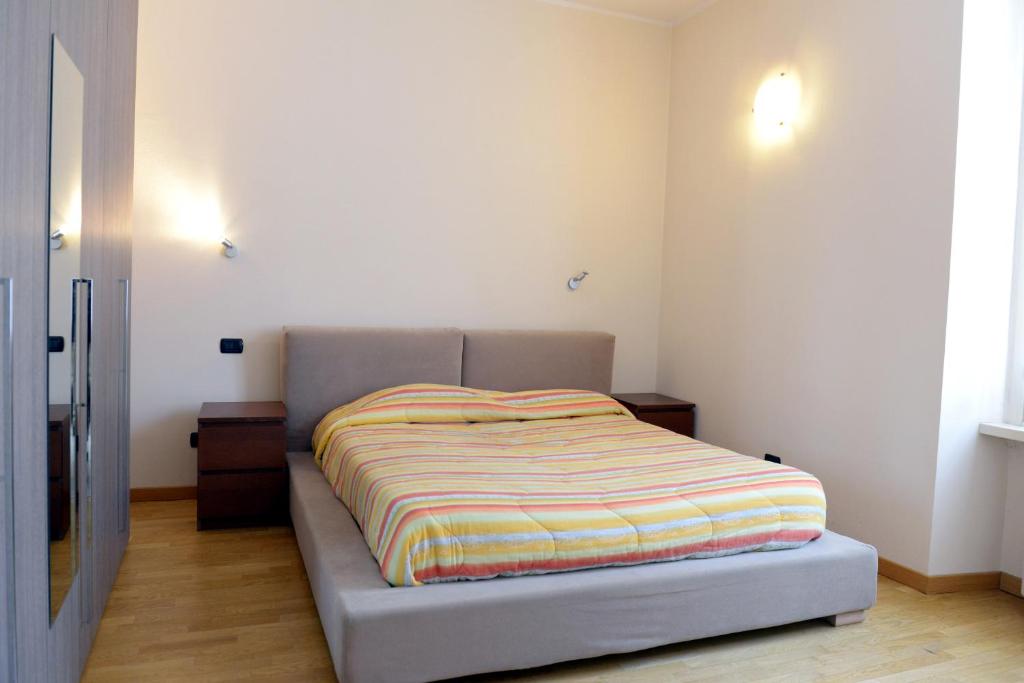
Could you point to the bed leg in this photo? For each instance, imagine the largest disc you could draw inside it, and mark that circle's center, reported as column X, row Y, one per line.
column 846, row 618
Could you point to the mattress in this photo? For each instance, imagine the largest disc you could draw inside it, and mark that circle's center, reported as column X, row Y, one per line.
column 450, row 484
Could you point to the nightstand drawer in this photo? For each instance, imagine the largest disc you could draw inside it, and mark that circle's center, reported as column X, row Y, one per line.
column 249, row 497
column 241, row 447
column 678, row 422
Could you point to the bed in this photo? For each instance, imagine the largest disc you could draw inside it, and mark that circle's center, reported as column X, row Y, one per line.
column 379, row 632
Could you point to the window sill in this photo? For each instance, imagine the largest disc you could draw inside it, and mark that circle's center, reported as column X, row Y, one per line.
column 1003, row 430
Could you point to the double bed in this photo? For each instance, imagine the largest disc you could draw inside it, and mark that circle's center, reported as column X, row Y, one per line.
column 394, row 633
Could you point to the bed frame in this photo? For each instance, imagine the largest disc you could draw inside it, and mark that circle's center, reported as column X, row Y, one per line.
column 380, row 633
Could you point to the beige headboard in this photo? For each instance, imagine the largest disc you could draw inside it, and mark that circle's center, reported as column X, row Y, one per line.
column 325, row 367
column 517, row 360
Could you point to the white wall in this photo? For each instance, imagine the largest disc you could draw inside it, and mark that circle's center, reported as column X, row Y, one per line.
column 804, row 284
column 398, row 163
column 970, row 481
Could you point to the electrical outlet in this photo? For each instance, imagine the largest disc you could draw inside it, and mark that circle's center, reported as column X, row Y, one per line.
column 231, row 345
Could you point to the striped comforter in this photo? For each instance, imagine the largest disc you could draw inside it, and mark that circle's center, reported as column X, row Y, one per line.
column 450, row 484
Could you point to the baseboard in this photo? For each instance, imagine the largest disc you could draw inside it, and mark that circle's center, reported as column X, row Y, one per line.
column 954, row 583
column 1010, row 583
column 942, row 583
column 162, row 493
column 904, row 575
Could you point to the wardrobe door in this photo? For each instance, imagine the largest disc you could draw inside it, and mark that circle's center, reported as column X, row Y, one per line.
column 83, row 23
column 6, row 492
column 81, row 27
column 101, row 36
column 121, row 178
column 24, row 139
column 113, row 273
column 105, row 31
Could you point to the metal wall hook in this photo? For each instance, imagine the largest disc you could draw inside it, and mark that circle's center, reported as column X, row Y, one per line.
column 230, row 250
column 576, row 280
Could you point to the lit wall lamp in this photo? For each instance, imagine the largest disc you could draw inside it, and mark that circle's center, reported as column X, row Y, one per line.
column 230, row 250
column 576, row 280
column 777, row 107
column 57, row 239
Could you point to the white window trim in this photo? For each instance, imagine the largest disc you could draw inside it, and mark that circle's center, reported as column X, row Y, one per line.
column 1012, row 425
column 1003, row 430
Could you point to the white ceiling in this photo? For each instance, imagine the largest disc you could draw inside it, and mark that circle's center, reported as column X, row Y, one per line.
column 664, row 11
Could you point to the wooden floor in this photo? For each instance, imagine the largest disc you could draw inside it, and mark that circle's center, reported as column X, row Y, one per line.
column 235, row 605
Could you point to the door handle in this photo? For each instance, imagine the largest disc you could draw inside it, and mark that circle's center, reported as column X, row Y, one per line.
column 7, row 464
column 81, row 393
column 124, row 405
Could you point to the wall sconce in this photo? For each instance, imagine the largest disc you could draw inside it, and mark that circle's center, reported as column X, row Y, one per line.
column 576, row 280
column 57, row 239
column 776, row 107
column 230, row 250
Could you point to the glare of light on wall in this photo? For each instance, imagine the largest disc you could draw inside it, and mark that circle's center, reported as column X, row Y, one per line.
column 196, row 217
column 777, row 108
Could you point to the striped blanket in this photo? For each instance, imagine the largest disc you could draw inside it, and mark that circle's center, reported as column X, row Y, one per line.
column 450, row 484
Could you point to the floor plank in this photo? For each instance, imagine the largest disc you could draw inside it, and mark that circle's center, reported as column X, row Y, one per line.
column 235, row 605
column 212, row 606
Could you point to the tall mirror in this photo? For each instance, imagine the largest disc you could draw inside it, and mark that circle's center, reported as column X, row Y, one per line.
column 67, row 120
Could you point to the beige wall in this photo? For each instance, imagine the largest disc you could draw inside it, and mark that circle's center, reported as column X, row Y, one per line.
column 398, row 163
column 804, row 285
column 453, row 162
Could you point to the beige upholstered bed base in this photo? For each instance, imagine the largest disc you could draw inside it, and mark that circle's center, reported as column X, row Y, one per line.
column 384, row 634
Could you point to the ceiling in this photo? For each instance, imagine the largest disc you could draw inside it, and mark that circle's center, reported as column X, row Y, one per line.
column 665, row 11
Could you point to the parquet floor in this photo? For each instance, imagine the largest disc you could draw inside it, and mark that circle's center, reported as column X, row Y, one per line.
column 235, row 606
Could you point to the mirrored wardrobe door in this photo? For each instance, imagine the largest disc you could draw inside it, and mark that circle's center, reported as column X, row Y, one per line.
column 66, row 398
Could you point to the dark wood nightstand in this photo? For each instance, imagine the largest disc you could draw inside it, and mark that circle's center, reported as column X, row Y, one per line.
column 663, row 411
column 243, row 476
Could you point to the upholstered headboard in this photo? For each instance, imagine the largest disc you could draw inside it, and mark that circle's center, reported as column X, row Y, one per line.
column 325, row 367
column 516, row 360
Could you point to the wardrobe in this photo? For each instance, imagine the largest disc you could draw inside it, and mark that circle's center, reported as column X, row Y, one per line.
column 67, row 98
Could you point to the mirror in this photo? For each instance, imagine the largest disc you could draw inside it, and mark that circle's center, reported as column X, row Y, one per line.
column 67, row 120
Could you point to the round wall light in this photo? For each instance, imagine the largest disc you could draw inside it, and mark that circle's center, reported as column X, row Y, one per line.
column 777, row 107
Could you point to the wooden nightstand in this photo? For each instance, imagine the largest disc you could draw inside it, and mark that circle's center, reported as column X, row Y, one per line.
column 243, row 476
column 663, row 411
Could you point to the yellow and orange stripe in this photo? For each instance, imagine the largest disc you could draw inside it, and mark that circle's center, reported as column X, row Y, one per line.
column 449, row 483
